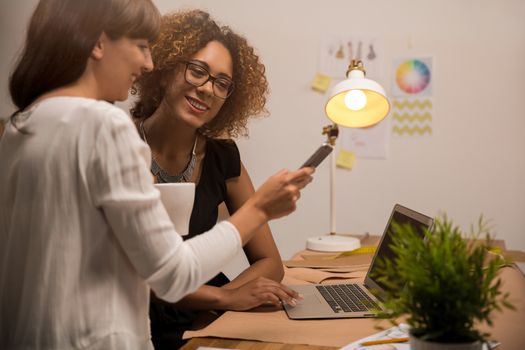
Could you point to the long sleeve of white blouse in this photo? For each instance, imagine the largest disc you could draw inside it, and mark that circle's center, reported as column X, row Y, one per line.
column 121, row 185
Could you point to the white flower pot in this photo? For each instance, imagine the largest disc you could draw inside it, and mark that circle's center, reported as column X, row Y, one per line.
column 418, row 344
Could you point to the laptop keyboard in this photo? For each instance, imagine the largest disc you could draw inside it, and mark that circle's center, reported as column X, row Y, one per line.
column 346, row 298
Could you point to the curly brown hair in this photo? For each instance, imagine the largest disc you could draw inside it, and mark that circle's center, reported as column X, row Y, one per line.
column 183, row 33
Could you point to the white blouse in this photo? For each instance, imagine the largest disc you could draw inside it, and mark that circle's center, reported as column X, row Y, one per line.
column 83, row 232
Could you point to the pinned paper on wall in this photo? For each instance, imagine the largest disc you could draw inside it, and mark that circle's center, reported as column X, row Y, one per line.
column 412, row 117
column 412, row 77
column 369, row 142
column 337, row 52
column 321, row 82
column 412, row 107
column 345, row 159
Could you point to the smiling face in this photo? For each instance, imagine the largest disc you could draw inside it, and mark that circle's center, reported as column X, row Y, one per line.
column 193, row 105
column 121, row 62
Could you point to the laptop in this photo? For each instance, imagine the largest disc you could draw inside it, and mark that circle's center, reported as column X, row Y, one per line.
column 351, row 300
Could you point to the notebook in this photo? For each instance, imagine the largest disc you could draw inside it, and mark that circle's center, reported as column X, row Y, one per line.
column 351, row 300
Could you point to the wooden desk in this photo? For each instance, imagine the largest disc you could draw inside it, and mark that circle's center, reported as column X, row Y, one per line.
column 509, row 326
column 194, row 343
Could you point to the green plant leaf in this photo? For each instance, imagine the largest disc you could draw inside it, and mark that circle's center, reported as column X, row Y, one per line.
column 443, row 284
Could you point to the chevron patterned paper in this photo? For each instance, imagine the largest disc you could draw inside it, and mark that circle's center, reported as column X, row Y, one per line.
column 412, row 117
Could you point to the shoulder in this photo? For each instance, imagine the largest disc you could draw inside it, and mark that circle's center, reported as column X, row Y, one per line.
column 84, row 111
column 76, row 117
column 225, row 154
column 222, row 145
column 105, row 117
column 103, row 123
column 105, row 112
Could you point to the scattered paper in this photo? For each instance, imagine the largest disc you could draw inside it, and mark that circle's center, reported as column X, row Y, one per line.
column 400, row 331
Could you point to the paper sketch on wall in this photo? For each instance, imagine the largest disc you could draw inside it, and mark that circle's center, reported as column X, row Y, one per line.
column 369, row 142
column 335, row 55
column 412, row 97
column 337, row 52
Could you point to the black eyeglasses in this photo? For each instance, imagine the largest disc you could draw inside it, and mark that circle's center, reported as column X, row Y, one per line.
column 197, row 75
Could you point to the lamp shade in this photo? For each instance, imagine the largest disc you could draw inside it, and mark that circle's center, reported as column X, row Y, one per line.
column 376, row 105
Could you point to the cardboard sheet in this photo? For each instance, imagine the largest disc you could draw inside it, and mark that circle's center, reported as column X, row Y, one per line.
column 272, row 325
column 318, row 276
column 349, row 262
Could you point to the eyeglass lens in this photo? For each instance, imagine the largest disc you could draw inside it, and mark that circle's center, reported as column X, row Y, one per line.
column 197, row 75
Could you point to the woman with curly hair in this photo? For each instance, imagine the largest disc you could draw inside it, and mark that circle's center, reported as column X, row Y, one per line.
column 206, row 83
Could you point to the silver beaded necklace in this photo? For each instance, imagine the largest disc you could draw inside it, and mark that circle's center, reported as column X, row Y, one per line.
column 162, row 175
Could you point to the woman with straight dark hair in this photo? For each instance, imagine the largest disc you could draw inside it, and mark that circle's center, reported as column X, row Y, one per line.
column 84, row 234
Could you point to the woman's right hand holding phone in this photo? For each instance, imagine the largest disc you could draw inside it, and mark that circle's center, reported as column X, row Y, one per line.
column 276, row 198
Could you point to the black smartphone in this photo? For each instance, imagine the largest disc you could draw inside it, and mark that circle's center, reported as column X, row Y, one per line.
column 321, row 153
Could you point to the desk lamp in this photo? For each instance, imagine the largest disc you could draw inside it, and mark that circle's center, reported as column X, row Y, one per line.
column 356, row 102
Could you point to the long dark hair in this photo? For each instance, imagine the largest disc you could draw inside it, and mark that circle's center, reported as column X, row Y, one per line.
column 62, row 34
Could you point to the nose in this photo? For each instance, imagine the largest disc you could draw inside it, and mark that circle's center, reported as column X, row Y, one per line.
column 148, row 64
column 207, row 88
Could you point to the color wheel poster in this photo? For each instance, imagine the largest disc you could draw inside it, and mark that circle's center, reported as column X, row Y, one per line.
column 412, row 96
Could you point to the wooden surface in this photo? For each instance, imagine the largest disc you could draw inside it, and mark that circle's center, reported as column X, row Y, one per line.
column 508, row 327
column 194, row 343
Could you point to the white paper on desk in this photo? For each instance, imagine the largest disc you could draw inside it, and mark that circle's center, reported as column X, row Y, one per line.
column 521, row 267
column 400, row 331
column 395, row 332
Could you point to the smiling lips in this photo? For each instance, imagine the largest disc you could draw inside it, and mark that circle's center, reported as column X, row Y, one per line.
column 197, row 105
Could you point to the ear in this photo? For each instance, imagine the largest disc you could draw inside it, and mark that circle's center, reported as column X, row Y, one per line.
column 98, row 50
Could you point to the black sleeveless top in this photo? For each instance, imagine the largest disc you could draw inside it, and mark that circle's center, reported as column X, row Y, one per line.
column 221, row 162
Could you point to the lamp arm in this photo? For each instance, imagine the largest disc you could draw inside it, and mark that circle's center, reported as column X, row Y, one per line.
column 332, row 242
column 332, row 194
column 331, row 132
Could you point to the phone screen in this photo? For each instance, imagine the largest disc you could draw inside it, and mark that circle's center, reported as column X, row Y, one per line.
column 315, row 159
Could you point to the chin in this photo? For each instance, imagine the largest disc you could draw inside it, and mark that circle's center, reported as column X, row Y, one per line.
column 197, row 123
column 121, row 97
column 192, row 120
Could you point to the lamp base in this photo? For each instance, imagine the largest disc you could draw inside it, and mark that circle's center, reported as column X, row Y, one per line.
column 333, row 243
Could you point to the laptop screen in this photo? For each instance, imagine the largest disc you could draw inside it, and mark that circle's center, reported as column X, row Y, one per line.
column 400, row 215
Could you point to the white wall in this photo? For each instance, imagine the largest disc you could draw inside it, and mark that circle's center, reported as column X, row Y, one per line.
column 474, row 162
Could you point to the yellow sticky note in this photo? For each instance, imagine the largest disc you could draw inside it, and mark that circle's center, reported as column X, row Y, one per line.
column 321, row 82
column 345, row 159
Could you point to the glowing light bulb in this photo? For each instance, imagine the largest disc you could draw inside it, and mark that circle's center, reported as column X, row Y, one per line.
column 355, row 100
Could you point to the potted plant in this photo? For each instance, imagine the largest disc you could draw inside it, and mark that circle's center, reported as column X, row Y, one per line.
column 444, row 285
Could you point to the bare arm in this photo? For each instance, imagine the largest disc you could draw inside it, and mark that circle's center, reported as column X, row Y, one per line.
column 258, row 283
column 261, row 250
